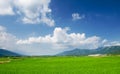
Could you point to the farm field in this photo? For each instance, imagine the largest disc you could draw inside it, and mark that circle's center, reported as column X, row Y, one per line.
column 60, row 65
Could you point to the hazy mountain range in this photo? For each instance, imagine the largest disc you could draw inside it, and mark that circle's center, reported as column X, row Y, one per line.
column 4, row 52
column 115, row 50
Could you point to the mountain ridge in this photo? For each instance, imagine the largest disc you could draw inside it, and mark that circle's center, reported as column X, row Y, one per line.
column 82, row 52
column 4, row 52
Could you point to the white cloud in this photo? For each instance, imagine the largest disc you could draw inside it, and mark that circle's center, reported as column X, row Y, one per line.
column 35, row 11
column 6, row 7
column 114, row 43
column 30, row 11
column 54, row 43
column 60, row 39
column 2, row 29
column 7, row 40
column 77, row 16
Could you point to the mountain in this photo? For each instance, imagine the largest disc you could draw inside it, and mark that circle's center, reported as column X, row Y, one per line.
column 76, row 52
column 102, row 50
column 109, row 50
column 4, row 52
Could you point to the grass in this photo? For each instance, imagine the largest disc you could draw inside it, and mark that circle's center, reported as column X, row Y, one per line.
column 61, row 65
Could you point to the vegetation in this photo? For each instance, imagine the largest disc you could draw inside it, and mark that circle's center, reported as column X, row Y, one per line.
column 61, row 65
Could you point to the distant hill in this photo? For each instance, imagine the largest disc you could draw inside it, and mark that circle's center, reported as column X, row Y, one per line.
column 109, row 50
column 102, row 50
column 76, row 52
column 4, row 52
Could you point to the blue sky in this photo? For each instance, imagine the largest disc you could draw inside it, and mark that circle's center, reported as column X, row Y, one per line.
column 101, row 17
column 42, row 19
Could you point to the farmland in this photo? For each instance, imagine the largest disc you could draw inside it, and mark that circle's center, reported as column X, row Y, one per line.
column 60, row 65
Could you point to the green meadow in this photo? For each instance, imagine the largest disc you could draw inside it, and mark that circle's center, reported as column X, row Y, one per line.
column 60, row 65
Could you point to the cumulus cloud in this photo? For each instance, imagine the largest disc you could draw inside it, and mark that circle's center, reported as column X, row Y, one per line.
column 35, row 11
column 2, row 29
column 6, row 7
column 61, row 39
column 7, row 40
column 77, row 16
column 30, row 11
column 113, row 43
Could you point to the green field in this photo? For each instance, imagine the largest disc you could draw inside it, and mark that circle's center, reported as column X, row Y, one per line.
column 60, row 65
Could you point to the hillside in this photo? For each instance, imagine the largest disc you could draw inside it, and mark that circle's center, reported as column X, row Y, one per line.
column 102, row 50
column 76, row 52
column 109, row 50
column 4, row 52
